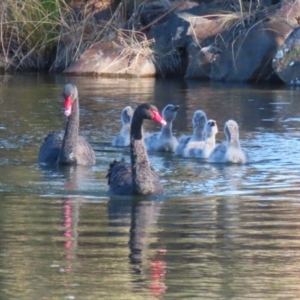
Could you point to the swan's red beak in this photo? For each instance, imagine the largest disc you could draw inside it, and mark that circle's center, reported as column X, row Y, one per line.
column 157, row 118
column 68, row 106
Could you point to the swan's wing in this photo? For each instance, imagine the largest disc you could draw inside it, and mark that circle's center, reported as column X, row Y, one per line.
column 119, row 178
column 237, row 155
column 218, row 154
column 85, row 154
column 151, row 141
column 192, row 148
column 50, row 149
column 172, row 144
column 182, row 142
column 157, row 187
column 121, row 141
column 123, row 137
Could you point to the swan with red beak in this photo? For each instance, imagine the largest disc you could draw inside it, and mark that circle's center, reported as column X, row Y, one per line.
column 137, row 177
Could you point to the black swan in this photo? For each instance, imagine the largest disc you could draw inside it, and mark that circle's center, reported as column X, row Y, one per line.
column 230, row 151
column 68, row 148
column 210, row 130
column 189, row 142
column 164, row 140
column 137, row 177
column 123, row 138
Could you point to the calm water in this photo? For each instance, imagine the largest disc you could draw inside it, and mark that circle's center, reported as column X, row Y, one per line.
column 219, row 232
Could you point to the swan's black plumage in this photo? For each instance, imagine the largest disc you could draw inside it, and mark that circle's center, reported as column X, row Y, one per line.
column 68, row 148
column 137, row 177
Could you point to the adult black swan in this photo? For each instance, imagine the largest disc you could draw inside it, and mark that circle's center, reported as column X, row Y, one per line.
column 138, row 177
column 68, row 148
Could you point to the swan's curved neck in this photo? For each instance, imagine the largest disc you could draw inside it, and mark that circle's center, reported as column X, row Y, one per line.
column 198, row 134
column 235, row 142
column 166, row 131
column 140, row 165
column 233, row 139
column 210, row 140
column 67, row 152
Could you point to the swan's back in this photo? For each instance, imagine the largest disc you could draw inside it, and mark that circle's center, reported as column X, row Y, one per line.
column 218, row 155
column 157, row 142
column 230, row 151
column 182, row 142
column 50, row 149
column 119, row 178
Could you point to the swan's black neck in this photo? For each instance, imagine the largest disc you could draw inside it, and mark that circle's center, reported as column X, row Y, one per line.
column 141, row 169
column 67, row 152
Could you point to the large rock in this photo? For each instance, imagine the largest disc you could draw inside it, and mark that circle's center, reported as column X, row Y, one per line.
column 200, row 61
column 201, row 50
column 111, row 59
column 221, row 50
column 174, row 38
column 286, row 62
column 198, row 42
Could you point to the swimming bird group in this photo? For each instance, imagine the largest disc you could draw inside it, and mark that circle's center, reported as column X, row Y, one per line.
column 138, row 177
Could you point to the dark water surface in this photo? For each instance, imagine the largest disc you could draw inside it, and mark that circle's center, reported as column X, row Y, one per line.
column 219, row 232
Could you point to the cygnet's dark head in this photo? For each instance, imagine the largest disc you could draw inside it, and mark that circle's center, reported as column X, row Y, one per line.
column 211, row 128
column 126, row 115
column 169, row 113
column 231, row 129
column 70, row 95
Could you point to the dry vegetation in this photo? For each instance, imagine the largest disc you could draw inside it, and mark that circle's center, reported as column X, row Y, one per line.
column 49, row 34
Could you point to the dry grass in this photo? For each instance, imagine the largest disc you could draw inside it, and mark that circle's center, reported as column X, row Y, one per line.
column 28, row 33
column 48, row 35
column 45, row 36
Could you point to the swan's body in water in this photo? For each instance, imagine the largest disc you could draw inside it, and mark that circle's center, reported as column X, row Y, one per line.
column 210, row 130
column 164, row 140
column 187, row 144
column 230, row 151
column 137, row 177
column 68, row 148
column 123, row 138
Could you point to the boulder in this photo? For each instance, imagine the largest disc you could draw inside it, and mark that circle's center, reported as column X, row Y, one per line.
column 200, row 60
column 201, row 50
column 247, row 52
column 112, row 59
column 286, row 62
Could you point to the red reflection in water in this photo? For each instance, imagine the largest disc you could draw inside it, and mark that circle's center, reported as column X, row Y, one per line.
column 68, row 228
column 158, row 272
